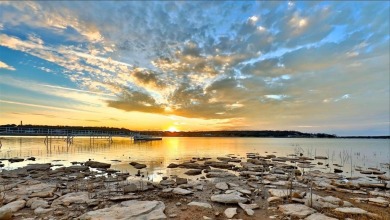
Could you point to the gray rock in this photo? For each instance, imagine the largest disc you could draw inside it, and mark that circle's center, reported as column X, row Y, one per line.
column 248, row 206
column 130, row 210
column 70, row 198
column 39, row 203
column 249, row 212
column 230, row 212
column 221, row 186
column 167, row 182
column 181, row 191
column 319, row 216
column 7, row 210
column 296, row 210
column 96, row 164
column 200, row 204
column 40, row 210
column 130, row 188
column 180, row 181
column 228, row 198
column 349, row 210
column 193, row 172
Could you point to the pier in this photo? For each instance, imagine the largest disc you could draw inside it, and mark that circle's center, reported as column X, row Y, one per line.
column 67, row 135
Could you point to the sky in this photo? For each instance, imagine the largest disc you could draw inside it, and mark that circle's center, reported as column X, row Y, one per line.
column 175, row 65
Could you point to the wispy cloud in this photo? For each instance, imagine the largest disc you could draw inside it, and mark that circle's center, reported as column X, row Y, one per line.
column 6, row 66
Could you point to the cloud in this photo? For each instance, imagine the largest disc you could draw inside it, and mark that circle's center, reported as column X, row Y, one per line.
column 6, row 66
column 259, row 62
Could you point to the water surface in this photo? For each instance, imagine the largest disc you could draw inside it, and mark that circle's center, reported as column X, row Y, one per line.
column 157, row 155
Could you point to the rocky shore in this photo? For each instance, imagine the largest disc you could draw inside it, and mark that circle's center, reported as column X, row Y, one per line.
column 254, row 187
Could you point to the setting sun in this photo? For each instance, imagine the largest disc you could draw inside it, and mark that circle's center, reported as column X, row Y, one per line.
column 172, row 129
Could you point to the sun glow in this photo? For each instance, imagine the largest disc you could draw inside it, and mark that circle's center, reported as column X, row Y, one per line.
column 172, row 129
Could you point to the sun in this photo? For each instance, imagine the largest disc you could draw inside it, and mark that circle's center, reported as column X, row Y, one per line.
column 172, row 129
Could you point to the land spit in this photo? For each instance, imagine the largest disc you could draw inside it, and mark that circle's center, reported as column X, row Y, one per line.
column 255, row 187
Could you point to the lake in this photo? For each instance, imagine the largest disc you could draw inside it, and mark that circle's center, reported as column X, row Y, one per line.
column 157, row 155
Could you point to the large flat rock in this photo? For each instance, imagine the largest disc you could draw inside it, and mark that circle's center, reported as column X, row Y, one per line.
column 228, row 198
column 67, row 199
column 7, row 211
column 319, row 216
column 296, row 210
column 349, row 210
column 129, row 210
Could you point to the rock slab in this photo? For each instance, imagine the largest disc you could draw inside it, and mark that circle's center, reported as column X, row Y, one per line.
column 296, row 210
column 130, row 210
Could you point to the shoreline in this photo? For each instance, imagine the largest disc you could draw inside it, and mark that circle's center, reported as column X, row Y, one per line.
column 256, row 187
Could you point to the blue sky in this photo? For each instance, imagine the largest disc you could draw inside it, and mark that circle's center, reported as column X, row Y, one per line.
column 307, row 66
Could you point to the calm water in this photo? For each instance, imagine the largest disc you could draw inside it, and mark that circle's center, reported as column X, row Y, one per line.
column 158, row 154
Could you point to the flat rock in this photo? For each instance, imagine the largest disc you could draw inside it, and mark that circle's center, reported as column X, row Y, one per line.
column 167, row 182
column 228, row 198
column 181, row 191
column 349, row 210
column 40, row 210
column 379, row 201
column 193, row 172
column 123, row 198
column 222, row 186
column 130, row 210
column 282, row 193
column 274, row 199
column 248, row 206
column 319, row 216
column 75, row 197
column 200, row 204
column 296, row 210
column 7, row 210
column 96, row 164
column 48, row 192
column 249, row 212
column 39, row 203
column 230, row 212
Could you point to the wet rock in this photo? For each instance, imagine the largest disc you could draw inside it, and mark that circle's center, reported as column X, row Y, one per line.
column 180, row 181
column 222, row 186
column 222, row 165
column 296, row 210
column 146, row 210
column 38, row 167
column 167, row 182
column 319, row 216
column 193, row 172
column 228, row 198
column 140, row 166
column 15, row 160
column 172, row 165
column 96, row 164
column 200, row 204
column 190, row 165
column 123, row 198
column 213, row 174
column 320, row 157
column 230, row 212
column 337, row 170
